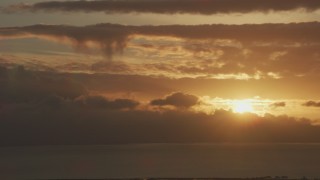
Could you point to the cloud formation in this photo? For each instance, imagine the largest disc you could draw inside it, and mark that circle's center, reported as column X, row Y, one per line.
column 111, row 39
column 169, row 6
column 63, row 112
column 114, row 38
column 111, row 104
column 152, row 87
column 278, row 104
column 311, row 104
column 102, row 102
column 178, row 99
column 217, row 51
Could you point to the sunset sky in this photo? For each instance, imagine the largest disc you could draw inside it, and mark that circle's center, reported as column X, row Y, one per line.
column 132, row 71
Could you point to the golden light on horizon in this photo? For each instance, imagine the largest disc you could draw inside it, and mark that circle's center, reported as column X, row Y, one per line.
column 242, row 106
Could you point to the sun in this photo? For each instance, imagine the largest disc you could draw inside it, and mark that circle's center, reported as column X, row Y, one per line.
column 242, row 106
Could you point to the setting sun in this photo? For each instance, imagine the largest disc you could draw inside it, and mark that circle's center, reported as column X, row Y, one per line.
column 242, row 106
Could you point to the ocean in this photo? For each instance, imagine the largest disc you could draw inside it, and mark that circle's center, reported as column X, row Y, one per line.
column 160, row 161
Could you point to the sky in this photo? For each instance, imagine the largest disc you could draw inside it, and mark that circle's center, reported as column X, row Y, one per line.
column 159, row 71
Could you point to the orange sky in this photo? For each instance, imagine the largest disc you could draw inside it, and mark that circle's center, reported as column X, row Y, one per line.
column 160, row 56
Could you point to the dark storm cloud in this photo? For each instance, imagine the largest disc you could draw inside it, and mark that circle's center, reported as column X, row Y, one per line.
column 311, row 104
column 169, row 6
column 278, row 104
column 177, row 99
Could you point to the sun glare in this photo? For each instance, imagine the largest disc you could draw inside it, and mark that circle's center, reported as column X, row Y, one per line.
column 242, row 106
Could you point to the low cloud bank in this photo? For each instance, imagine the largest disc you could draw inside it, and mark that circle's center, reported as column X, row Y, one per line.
column 38, row 110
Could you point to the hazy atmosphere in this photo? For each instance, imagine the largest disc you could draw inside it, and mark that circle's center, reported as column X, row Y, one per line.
column 110, row 72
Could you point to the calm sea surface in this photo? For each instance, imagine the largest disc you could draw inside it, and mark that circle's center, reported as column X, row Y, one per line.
column 161, row 160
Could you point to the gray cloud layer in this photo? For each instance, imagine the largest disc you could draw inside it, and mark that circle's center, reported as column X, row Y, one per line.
column 169, row 6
